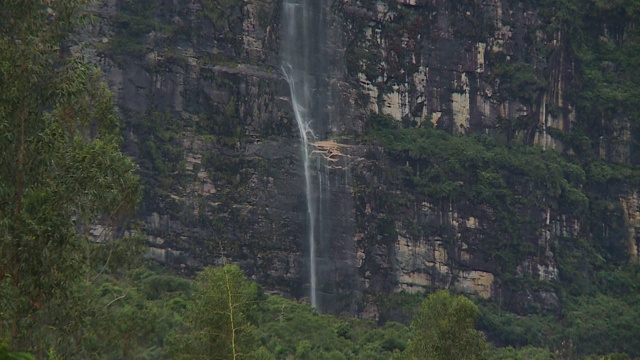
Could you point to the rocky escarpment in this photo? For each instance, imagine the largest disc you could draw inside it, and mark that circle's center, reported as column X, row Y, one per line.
column 465, row 66
column 207, row 115
column 505, row 69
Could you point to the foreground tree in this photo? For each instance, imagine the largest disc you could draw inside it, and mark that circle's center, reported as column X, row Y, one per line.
column 60, row 166
column 222, row 317
column 444, row 330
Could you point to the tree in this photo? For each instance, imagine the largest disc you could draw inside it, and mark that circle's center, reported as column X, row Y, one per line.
column 444, row 329
column 603, row 324
column 222, row 316
column 61, row 169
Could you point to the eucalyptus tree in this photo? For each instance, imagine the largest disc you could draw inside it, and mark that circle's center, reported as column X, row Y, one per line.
column 60, row 164
column 220, row 323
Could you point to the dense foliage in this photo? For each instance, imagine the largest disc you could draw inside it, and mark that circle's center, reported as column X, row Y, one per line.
column 62, row 176
column 153, row 315
column 444, row 329
column 222, row 315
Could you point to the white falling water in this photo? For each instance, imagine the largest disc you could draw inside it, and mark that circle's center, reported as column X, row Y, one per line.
column 299, row 33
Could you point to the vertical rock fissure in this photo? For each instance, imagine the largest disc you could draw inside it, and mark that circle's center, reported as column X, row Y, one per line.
column 299, row 61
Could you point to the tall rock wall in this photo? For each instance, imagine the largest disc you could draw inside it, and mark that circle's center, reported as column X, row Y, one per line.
column 207, row 115
column 465, row 66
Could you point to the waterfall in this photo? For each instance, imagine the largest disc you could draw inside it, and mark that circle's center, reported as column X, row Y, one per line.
column 300, row 60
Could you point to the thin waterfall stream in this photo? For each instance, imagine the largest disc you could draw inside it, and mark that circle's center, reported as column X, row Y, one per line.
column 300, row 23
column 305, row 133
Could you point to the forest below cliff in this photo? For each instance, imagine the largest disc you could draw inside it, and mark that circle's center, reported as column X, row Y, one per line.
column 138, row 221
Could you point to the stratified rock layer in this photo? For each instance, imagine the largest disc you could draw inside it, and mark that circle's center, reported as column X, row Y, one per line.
column 207, row 114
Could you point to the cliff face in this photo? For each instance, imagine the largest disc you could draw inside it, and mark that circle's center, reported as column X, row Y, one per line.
column 465, row 66
column 208, row 116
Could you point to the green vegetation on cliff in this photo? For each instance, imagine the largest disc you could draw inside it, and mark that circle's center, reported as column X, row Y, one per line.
column 602, row 39
column 595, row 284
